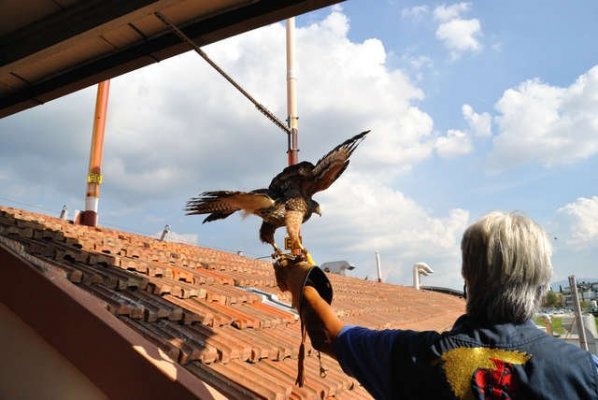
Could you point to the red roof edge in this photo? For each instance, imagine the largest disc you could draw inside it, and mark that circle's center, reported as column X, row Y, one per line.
column 120, row 362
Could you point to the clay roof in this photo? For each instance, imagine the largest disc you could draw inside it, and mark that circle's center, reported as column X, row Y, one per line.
column 193, row 303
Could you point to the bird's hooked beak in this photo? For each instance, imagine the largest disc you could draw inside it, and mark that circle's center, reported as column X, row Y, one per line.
column 318, row 211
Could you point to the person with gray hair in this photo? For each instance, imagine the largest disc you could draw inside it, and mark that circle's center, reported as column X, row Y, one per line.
column 506, row 267
column 494, row 351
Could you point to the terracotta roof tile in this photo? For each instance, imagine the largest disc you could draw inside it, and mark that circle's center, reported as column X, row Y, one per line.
column 245, row 374
column 192, row 303
column 193, row 311
column 156, row 307
column 230, row 388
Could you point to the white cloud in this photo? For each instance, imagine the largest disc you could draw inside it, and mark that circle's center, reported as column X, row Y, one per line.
column 444, row 13
column 580, row 219
column 548, row 125
column 368, row 216
column 416, row 65
column 351, row 79
column 479, row 124
column 419, row 62
column 416, row 12
column 455, row 143
column 458, row 35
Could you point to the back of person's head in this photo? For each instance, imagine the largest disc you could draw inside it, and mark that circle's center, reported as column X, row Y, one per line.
column 506, row 267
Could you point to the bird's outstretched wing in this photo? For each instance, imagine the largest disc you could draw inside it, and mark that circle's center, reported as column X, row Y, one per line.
column 221, row 204
column 291, row 179
column 307, row 179
column 332, row 165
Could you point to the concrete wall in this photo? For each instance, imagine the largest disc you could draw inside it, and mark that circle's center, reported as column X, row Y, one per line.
column 589, row 327
column 31, row 369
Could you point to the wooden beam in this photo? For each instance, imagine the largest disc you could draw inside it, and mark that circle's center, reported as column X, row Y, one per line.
column 159, row 47
column 62, row 26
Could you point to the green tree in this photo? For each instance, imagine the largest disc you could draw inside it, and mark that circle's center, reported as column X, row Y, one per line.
column 553, row 300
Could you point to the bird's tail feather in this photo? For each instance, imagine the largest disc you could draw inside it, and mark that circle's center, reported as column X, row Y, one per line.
column 216, row 216
column 209, row 203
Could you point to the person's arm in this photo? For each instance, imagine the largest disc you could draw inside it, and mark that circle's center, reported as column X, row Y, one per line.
column 362, row 353
column 320, row 320
column 366, row 354
column 311, row 295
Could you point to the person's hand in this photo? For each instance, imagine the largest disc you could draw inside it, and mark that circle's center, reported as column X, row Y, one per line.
column 293, row 274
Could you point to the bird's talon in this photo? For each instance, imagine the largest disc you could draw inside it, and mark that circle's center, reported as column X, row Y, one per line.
column 300, row 254
column 277, row 253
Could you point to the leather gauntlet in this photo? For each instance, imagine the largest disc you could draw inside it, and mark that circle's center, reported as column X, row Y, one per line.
column 293, row 274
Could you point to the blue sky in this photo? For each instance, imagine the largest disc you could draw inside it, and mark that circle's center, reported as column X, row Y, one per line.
column 473, row 106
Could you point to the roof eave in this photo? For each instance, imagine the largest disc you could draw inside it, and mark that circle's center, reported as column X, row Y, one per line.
column 135, row 367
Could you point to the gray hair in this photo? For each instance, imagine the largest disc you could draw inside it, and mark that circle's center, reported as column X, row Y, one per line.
column 506, row 267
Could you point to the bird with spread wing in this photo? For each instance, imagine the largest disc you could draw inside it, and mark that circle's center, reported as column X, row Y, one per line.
column 287, row 201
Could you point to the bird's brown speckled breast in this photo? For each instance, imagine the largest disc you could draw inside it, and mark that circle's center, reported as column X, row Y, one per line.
column 296, row 204
column 273, row 215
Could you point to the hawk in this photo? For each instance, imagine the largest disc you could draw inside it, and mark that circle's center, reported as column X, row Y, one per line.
column 287, row 201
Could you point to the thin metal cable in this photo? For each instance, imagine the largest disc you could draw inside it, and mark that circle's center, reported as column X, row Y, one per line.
column 199, row 51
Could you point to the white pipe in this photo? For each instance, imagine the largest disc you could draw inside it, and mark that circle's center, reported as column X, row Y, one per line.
column 165, row 232
column 292, row 119
column 291, row 77
column 379, row 266
column 420, row 268
column 91, row 203
column 64, row 214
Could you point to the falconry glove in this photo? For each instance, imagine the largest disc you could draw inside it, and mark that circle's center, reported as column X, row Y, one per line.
column 293, row 273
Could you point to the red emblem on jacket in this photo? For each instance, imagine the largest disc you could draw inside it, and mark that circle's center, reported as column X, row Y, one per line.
column 498, row 383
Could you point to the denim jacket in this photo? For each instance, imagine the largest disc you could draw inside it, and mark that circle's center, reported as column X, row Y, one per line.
column 471, row 361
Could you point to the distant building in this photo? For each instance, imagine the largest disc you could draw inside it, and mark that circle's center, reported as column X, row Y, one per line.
column 587, row 291
column 337, row 267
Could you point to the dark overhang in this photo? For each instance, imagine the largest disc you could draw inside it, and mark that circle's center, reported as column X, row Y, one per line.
column 50, row 48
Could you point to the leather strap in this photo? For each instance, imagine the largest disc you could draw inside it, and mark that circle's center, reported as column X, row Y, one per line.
column 301, row 357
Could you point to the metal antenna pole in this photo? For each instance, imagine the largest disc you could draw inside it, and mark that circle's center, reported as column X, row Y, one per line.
column 199, row 51
column 583, row 341
column 293, row 119
column 165, row 232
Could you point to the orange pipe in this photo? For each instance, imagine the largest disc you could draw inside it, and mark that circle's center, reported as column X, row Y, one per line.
column 94, row 177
